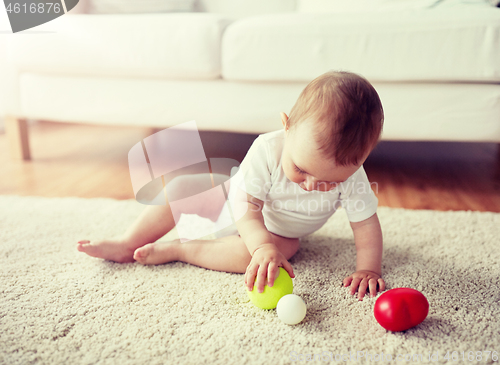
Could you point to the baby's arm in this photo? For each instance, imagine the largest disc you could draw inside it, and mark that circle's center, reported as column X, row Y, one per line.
column 369, row 247
column 266, row 258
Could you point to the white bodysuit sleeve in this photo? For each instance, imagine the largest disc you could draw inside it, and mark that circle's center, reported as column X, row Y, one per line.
column 359, row 201
column 254, row 174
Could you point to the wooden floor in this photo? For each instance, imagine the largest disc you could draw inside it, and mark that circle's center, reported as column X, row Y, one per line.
column 91, row 161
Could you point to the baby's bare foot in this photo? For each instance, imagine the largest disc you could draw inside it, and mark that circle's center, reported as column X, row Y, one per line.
column 115, row 249
column 157, row 253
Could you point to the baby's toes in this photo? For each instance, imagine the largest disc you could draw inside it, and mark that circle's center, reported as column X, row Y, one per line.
column 82, row 245
column 142, row 253
column 89, row 248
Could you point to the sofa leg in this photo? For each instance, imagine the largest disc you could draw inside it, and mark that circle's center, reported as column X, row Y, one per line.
column 497, row 163
column 17, row 134
column 498, row 155
column 152, row 130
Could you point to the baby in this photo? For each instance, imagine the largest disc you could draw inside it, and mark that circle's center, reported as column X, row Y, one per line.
column 289, row 183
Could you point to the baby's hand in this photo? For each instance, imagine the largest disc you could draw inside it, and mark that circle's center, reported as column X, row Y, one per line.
column 364, row 279
column 265, row 262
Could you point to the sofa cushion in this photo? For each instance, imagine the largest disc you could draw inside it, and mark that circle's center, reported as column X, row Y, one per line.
column 134, row 6
column 173, row 45
column 430, row 44
column 340, row 6
column 245, row 8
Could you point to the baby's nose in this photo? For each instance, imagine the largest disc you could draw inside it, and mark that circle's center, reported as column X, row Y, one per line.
column 309, row 184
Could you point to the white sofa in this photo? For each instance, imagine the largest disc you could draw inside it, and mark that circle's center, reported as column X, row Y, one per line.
column 233, row 65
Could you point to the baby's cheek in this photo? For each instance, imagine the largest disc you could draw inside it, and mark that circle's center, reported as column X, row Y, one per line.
column 288, row 175
column 294, row 178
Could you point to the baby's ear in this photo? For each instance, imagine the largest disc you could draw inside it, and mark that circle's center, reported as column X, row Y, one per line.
column 284, row 119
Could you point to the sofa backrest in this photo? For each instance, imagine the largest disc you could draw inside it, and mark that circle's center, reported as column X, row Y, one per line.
column 348, row 6
column 246, row 8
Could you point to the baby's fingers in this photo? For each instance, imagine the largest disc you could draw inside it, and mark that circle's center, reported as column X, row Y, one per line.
column 250, row 277
column 288, row 268
column 354, row 285
column 347, row 281
column 272, row 271
column 381, row 284
column 373, row 287
column 362, row 288
column 261, row 278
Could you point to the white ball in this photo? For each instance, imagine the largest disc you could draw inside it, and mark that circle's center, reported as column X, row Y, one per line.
column 291, row 309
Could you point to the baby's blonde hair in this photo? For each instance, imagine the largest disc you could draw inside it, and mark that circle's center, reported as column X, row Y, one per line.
column 347, row 112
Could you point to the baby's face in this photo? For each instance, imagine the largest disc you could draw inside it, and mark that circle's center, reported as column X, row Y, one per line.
column 304, row 165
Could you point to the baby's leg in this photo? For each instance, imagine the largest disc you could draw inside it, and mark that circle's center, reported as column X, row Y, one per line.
column 153, row 223
column 228, row 254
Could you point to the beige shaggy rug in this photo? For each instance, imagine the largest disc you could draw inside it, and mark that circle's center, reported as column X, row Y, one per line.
column 60, row 306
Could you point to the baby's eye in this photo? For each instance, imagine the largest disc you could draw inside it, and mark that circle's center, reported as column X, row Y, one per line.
column 299, row 170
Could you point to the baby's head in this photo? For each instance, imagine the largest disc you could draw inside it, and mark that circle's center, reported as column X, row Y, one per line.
column 332, row 128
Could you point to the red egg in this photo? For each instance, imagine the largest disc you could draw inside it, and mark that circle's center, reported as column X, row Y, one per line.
column 400, row 309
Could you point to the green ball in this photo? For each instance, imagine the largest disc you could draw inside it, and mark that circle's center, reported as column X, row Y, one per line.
column 269, row 298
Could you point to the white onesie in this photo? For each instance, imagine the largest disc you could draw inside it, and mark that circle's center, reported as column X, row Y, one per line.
column 290, row 211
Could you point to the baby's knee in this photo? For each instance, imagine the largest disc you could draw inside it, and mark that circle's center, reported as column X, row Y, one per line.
column 185, row 186
column 189, row 188
column 287, row 246
column 294, row 246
